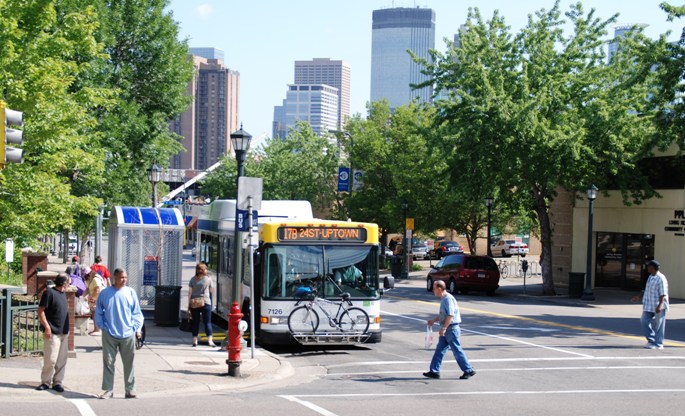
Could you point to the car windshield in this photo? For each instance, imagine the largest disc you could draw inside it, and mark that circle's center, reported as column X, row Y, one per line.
column 449, row 244
column 331, row 270
column 510, row 242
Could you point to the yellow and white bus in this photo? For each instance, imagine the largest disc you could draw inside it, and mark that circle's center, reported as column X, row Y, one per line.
column 295, row 250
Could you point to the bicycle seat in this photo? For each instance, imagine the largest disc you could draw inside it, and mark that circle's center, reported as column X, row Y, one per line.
column 345, row 295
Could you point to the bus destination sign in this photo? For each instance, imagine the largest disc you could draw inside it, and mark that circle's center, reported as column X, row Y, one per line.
column 309, row 234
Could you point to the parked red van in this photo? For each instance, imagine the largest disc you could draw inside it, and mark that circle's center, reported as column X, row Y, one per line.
column 465, row 272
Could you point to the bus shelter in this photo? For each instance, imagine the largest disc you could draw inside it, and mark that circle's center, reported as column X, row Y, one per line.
column 148, row 244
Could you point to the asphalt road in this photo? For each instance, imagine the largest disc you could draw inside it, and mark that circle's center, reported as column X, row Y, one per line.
column 532, row 357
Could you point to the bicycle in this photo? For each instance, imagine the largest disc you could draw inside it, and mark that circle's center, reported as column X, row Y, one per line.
column 503, row 267
column 305, row 319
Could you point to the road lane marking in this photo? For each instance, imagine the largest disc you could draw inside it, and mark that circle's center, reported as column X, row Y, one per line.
column 83, row 407
column 529, row 343
column 487, row 393
column 502, row 338
column 519, row 359
column 485, row 370
column 309, row 405
column 518, row 328
column 543, row 322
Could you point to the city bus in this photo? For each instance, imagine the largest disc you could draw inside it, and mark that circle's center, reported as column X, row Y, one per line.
column 294, row 250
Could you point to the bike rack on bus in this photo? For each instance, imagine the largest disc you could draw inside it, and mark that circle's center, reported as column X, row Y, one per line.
column 330, row 338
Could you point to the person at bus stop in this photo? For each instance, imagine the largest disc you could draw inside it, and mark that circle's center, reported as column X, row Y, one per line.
column 96, row 284
column 118, row 314
column 449, row 319
column 102, row 270
column 654, row 306
column 200, row 292
column 53, row 313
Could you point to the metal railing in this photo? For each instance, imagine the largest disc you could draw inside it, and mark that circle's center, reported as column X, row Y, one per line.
column 19, row 325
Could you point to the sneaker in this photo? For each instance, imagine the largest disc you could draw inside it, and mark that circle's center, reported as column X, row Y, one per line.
column 213, row 345
column 58, row 388
column 431, row 374
column 108, row 394
column 659, row 347
column 652, row 347
column 467, row 375
column 43, row 387
column 649, row 345
column 130, row 395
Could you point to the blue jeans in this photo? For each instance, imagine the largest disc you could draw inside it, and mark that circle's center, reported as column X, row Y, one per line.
column 654, row 327
column 450, row 340
column 206, row 313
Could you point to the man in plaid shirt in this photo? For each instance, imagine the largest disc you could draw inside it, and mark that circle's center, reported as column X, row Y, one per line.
column 654, row 307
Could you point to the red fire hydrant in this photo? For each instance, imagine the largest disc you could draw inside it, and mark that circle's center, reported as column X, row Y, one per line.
column 234, row 344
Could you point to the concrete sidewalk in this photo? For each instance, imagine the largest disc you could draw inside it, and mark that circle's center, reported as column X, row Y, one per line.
column 166, row 364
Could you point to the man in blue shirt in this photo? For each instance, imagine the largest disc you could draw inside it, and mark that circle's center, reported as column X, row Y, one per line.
column 118, row 314
column 449, row 318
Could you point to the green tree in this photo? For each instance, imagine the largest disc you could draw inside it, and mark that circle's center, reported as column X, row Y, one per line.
column 98, row 82
column 46, row 55
column 541, row 110
column 301, row 167
column 392, row 150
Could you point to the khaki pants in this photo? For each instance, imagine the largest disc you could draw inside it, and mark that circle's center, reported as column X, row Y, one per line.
column 126, row 347
column 55, row 353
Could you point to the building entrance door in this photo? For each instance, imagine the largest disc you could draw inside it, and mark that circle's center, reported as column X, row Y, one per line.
column 621, row 259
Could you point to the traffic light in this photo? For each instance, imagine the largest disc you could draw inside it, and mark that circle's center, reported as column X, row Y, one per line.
column 10, row 136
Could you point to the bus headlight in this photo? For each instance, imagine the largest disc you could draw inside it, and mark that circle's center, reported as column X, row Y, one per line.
column 278, row 320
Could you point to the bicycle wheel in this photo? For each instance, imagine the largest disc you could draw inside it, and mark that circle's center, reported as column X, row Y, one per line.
column 354, row 320
column 504, row 271
column 303, row 320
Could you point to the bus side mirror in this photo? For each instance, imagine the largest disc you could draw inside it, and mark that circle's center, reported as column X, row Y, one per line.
column 389, row 282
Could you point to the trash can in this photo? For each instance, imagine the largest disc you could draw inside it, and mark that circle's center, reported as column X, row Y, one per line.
column 167, row 305
column 575, row 284
column 396, row 266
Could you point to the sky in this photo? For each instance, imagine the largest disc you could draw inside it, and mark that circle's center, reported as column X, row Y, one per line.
column 262, row 39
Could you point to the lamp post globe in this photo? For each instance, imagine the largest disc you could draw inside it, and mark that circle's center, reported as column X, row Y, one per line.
column 154, row 175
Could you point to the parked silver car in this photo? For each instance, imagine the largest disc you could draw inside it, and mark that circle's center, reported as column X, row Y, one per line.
column 419, row 252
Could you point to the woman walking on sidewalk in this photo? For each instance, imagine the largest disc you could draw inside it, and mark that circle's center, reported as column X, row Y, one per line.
column 200, row 292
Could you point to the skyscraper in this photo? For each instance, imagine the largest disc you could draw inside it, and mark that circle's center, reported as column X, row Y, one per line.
column 329, row 72
column 392, row 68
column 206, row 126
column 316, row 104
column 309, row 98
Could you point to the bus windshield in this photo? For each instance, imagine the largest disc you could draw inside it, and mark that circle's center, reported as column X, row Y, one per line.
column 352, row 269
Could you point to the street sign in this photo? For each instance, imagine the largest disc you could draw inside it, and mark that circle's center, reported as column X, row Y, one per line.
column 410, row 223
column 243, row 220
column 9, row 250
column 249, row 187
column 343, row 179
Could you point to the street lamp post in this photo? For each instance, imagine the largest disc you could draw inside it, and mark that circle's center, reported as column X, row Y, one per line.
column 154, row 175
column 587, row 293
column 405, row 251
column 488, row 203
column 241, row 143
